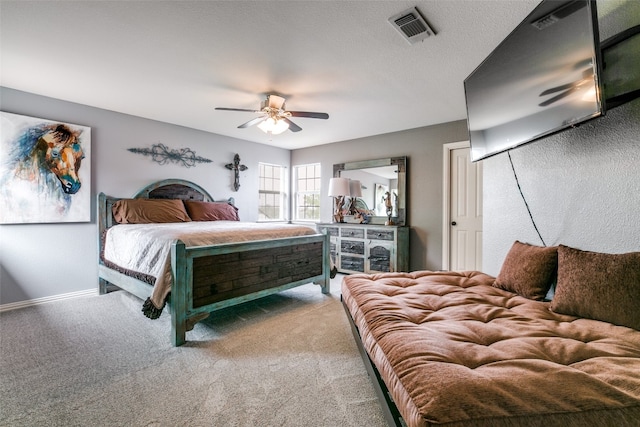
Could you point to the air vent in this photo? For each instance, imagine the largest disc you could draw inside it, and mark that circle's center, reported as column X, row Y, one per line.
column 411, row 25
column 558, row 14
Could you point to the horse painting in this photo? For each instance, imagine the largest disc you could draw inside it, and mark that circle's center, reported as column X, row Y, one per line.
column 41, row 175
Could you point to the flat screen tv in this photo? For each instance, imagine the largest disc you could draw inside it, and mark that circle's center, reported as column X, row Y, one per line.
column 544, row 77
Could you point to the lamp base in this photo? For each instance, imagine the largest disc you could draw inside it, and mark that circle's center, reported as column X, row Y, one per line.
column 337, row 213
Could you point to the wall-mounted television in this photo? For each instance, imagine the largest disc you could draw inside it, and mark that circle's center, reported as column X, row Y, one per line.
column 544, row 77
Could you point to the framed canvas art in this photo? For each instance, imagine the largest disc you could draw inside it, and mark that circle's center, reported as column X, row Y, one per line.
column 45, row 171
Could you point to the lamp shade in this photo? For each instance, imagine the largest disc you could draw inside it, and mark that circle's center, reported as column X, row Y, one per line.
column 355, row 188
column 339, row 187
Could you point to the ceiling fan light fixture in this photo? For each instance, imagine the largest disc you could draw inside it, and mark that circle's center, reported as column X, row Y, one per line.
column 275, row 101
column 274, row 118
column 272, row 126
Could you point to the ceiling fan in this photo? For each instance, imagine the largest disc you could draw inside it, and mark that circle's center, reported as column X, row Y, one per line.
column 568, row 88
column 274, row 118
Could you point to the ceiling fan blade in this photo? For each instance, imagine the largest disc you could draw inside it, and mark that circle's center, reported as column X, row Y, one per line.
column 309, row 114
column 251, row 122
column 237, row 109
column 292, row 126
column 558, row 97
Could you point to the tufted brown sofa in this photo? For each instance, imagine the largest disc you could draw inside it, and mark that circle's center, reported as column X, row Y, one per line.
column 452, row 349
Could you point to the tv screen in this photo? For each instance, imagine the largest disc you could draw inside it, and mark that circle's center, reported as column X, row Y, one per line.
column 545, row 76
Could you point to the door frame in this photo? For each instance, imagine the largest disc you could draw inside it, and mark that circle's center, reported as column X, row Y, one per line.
column 446, row 198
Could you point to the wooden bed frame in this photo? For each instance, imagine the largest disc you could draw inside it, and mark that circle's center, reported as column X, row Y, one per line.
column 208, row 278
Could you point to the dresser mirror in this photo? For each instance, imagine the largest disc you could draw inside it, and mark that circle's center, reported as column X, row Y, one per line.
column 383, row 183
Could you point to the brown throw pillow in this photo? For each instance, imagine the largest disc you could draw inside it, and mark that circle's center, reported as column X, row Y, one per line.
column 599, row 286
column 528, row 270
column 149, row 211
column 211, row 211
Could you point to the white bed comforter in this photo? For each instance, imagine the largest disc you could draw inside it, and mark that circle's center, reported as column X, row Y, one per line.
column 146, row 248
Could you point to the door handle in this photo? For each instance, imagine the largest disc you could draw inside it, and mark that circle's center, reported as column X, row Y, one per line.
column 454, row 223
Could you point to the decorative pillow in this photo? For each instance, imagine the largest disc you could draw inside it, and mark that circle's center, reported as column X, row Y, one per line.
column 149, row 211
column 599, row 286
column 211, row 211
column 528, row 270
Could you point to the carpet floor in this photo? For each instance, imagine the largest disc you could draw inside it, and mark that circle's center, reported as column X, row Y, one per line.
column 284, row 360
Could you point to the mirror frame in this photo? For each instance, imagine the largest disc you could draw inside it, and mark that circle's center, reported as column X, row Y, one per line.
column 401, row 164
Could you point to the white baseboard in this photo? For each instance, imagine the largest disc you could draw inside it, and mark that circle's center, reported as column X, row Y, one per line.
column 38, row 301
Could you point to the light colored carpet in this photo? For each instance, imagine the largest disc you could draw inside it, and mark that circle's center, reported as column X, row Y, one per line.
column 284, row 360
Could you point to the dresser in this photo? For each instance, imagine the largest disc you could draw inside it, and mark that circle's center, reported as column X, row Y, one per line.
column 368, row 248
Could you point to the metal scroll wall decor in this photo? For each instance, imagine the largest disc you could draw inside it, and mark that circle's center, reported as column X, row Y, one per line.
column 162, row 154
column 236, row 167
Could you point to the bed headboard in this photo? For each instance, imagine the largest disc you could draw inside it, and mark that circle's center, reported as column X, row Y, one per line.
column 174, row 189
column 165, row 189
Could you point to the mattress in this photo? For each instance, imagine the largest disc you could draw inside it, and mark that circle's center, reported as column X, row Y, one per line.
column 455, row 351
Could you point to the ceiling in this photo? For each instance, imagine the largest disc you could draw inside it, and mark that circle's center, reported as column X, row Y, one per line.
column 175, row 61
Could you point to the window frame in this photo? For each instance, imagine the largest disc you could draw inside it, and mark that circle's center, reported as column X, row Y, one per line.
column 317, row 177
column 263, row 191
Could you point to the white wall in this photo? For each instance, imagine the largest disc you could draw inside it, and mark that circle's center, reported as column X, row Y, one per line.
column 41, row 260
column 582, row 185
column 583, row 188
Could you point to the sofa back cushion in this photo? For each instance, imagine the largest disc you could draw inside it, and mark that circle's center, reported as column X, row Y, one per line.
column 599, row 286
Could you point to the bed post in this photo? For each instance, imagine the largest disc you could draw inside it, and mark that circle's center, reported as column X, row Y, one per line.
column 326, row 265
column 102, row 225
column 179, row 298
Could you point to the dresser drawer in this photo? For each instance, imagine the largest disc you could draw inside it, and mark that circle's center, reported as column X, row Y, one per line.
column 352, row 263
column 356, row 233
column 332, row 249
column 352, row 247
column 331, row 231
column 380, row 234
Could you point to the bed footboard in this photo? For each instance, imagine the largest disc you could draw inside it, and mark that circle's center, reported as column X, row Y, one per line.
column 208, row 278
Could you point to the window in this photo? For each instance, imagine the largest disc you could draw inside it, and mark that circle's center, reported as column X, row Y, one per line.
column 271, row 193
column 307, row 192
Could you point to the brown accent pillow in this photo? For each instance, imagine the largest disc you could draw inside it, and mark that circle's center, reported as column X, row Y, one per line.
column 149, row 211
column 599, row 286
column 211, row 211
column 528, row 270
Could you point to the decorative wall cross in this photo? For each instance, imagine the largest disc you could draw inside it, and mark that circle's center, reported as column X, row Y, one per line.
column 236, row 167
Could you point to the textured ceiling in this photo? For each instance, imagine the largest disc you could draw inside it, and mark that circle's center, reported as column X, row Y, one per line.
column 175, row 61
